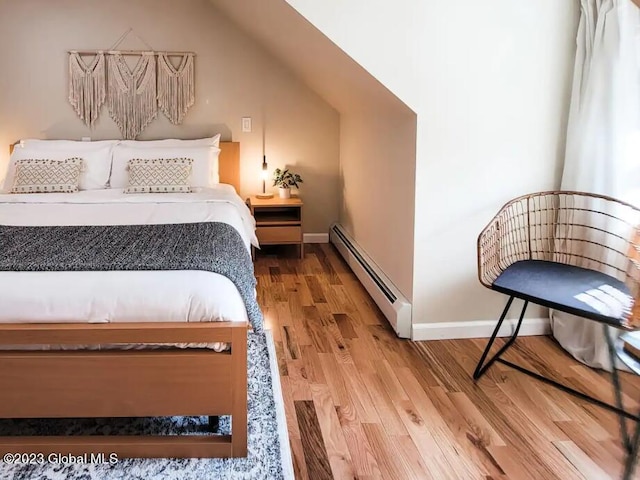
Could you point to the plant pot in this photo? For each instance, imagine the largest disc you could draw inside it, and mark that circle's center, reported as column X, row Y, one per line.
column 284, row 192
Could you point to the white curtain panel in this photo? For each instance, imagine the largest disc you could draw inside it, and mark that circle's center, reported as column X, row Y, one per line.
column 603, row 135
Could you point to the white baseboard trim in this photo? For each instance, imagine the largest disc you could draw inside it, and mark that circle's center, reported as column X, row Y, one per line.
column 315, row 238
column 478, row 329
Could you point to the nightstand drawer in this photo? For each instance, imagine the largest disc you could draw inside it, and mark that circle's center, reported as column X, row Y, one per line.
column 267, row 235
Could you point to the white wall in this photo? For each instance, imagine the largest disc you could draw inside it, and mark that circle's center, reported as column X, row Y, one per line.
column 377, row 167
column 235, row 77
column 381, row 36
column 377, row 131
column 490, row 85
column 491, row 127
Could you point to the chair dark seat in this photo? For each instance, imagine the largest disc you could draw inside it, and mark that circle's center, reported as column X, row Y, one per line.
column 555, row 285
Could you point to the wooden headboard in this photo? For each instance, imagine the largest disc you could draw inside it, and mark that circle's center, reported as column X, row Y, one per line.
column 228, row 163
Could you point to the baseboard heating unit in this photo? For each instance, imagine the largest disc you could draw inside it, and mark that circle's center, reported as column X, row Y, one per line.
column 393, row 305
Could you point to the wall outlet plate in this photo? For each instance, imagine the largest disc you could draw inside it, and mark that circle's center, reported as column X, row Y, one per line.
column 246, row 124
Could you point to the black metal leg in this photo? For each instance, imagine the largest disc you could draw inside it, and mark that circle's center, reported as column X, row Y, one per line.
column 481, row 368
column 575, row 393
column 631, row 442
column 214, row 423
column 632, row 456
column 615, row 380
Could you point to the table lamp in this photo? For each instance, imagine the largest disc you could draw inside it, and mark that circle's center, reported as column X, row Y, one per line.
column 264, row 174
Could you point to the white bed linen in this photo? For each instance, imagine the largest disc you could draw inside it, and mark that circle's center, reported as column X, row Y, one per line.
column 112, row 206
column 123, row 296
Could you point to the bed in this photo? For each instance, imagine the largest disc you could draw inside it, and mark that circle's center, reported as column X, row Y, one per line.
column 85, row 356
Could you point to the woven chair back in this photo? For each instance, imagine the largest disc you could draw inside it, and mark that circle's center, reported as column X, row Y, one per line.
column 575, row 228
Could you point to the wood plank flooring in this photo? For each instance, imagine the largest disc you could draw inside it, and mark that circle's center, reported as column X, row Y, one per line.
column 361, row 403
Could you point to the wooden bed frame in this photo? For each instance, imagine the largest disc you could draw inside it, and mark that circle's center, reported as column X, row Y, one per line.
column 128, row 383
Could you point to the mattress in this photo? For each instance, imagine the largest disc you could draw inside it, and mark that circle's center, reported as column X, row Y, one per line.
column 123, row 296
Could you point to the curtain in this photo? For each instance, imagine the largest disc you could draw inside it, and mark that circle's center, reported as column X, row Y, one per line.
column 603, row 135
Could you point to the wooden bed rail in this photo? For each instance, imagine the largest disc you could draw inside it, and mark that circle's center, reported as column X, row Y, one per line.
column 105, row 333
column 126, row 383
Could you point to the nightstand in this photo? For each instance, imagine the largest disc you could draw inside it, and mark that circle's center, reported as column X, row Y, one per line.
column 278, row 221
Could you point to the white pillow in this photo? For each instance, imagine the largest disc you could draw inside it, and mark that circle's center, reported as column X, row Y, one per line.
column 96, row 158
column 173, row 142
column 67, row 144
column 205, row 162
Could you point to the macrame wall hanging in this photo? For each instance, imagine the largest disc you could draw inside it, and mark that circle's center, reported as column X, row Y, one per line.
column 87, row 87
column 132, row 95
column 175, row 87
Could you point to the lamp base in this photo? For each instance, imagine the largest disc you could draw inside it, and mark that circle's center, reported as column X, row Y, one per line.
column 264, row 196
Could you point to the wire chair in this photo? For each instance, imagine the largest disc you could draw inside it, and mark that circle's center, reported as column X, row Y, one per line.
column 573, row 252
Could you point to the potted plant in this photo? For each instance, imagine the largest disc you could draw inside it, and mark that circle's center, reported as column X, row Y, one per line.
column 284, row 180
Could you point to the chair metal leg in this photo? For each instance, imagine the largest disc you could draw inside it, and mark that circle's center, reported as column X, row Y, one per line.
column 617, row 389
column 630, row 443
column 481, row 368
column 632, row 455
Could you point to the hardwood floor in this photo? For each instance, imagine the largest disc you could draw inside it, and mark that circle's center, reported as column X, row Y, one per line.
column 361, row 403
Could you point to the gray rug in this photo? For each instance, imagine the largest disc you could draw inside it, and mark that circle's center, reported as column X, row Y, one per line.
column 269, row 455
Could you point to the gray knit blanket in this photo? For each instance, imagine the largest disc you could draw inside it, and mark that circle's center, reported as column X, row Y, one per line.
column 213, row 247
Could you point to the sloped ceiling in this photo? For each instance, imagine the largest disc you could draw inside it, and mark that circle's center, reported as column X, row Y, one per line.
column 313, row 57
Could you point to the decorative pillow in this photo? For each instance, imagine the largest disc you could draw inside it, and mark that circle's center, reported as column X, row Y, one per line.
column 96, row 156
column 47, row 176
column 204, row 169
column 159, row 175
